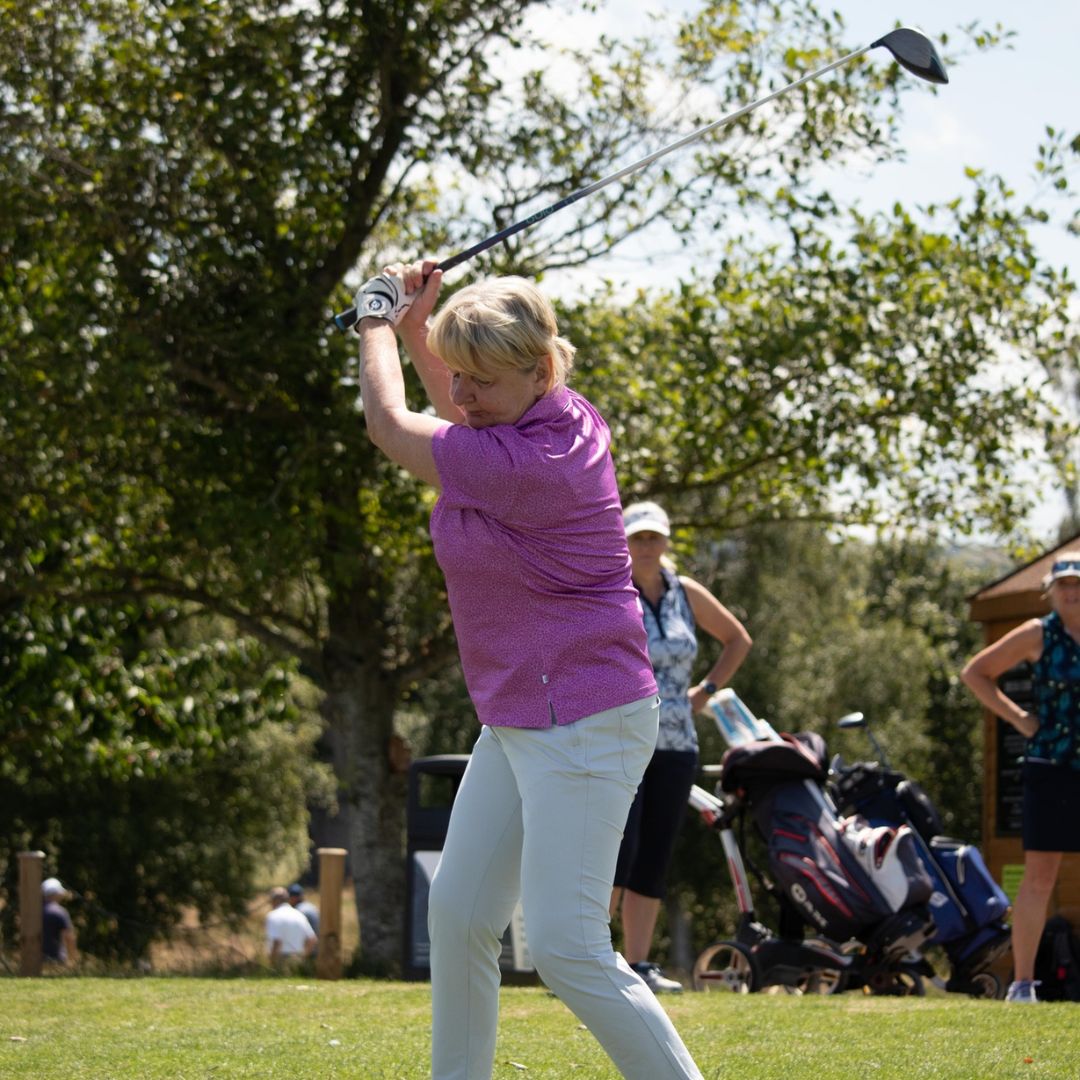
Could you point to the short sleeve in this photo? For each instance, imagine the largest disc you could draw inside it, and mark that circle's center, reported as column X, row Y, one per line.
column 478, row 469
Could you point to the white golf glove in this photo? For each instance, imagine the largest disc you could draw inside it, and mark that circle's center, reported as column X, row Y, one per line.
column 383, row 297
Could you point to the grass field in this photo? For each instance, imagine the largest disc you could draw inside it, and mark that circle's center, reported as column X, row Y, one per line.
column 184, row 1028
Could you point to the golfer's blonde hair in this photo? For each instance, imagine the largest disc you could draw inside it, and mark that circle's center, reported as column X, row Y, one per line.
column 505, row 324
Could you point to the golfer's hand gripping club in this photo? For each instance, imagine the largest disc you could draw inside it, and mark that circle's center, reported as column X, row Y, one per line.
column 382, row 297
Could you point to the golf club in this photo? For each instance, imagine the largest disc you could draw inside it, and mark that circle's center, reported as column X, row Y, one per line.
column 911, row 48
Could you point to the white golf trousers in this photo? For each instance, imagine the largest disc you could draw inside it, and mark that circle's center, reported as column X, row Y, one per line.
column 540, row 814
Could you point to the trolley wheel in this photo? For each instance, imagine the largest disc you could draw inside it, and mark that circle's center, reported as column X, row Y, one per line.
column 825, row 980
column 896, row 982
column 726, row 965
column 985, row 984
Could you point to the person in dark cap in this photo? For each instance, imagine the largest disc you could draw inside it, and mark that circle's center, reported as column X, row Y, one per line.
column 305, row 907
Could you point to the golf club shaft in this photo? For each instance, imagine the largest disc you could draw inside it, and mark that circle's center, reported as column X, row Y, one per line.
column 348, row 318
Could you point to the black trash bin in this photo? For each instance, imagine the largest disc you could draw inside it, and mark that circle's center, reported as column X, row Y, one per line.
column 432, row 786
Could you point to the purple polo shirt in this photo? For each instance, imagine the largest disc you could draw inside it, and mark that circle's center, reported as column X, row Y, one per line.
column 528, row 531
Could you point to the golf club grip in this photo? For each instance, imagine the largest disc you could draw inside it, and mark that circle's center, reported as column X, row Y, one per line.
column 349, row 318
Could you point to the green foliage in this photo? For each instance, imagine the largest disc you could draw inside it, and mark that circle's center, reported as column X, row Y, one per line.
column 917, row 585
column 1055, row 169
column 139, row 765
column 88, row 689
column 858, row 383
column 818, row 653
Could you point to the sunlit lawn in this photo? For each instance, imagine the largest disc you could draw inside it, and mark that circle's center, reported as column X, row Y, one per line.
column 279, row 1027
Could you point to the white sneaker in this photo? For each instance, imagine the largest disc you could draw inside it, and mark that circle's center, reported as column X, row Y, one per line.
column 656, row 980
column 1022, row 992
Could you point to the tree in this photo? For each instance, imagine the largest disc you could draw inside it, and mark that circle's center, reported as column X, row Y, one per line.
column 925, row 588
column 861, row 383
column 1055, row 168
column 190, row 186
column 136, row 754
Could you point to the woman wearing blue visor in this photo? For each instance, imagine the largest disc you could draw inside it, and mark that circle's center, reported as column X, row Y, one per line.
column 1051, row 807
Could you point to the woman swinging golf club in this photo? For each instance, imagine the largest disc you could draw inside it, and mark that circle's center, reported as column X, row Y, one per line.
column 528, row 531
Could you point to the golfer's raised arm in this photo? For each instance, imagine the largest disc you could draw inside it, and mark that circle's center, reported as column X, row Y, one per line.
column 403, row 435
column 425, row 279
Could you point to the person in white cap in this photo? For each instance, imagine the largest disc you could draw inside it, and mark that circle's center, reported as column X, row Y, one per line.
column 288, row 933
column 673, row 607
column 58, row 943
column 1051, row 779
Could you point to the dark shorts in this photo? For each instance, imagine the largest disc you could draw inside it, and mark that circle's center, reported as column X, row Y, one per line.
column 1051, row 807
column 652, row 827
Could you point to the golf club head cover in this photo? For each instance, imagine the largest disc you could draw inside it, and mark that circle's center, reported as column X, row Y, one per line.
column 382, row 297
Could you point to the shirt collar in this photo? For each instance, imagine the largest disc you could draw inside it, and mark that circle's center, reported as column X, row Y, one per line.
column 552, row 405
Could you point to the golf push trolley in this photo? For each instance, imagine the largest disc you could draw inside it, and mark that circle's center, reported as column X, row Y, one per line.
column 859, row 896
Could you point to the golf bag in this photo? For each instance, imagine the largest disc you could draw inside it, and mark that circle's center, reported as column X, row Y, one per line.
column 844, row 878
column 1057, row 964
column 967, row 905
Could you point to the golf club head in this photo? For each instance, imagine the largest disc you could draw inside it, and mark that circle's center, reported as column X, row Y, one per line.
column 914, row 51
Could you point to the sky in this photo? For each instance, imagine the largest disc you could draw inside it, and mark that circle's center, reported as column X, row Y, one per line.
column 995, row 110
column 992, row 115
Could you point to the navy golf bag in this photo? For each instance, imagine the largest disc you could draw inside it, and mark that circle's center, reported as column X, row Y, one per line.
column 844, row 878
column 967, row 904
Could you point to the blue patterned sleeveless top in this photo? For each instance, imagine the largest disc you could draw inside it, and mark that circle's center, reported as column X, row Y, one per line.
column 672, row 650
column 1056, row 685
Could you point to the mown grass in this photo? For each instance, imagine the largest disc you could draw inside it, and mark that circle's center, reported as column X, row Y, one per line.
column 183, row 1028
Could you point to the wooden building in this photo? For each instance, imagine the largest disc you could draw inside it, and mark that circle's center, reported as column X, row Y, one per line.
column 1000, row 606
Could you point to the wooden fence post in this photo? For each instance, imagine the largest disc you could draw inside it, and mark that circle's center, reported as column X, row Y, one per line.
column 30, row 912
column 331, row 882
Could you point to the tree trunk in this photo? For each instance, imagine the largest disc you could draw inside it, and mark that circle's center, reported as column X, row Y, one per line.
column 359, row 708
column 681, row 933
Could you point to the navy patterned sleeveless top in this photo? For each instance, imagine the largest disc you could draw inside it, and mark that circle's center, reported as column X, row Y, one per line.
column 1056, row 683
column 672, row 649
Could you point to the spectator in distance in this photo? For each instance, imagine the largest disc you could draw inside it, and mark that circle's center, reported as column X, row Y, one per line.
column 57, row 933
column 305, row 907
column 288, row 933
